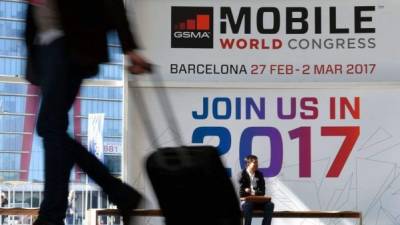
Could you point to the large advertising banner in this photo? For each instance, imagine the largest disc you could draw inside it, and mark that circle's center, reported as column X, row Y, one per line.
column 318, row 149
column 310, row 87
column 274, row 40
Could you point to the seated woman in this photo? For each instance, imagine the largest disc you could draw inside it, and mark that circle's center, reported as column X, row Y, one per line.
column 252, row 184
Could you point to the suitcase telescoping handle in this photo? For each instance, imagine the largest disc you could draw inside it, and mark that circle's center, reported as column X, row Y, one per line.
column 164, row 101
column 171, row 160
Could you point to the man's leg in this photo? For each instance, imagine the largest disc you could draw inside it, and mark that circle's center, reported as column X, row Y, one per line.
column 268, row 210
column 58, row 92
column 247, row 208
column 125, row 197
column 59, row 87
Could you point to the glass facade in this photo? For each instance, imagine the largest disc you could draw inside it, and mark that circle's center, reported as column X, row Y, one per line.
column 21, row 151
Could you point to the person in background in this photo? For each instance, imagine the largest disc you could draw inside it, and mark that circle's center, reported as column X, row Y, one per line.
column 252, row 183
column 66, row 41
column 3, row 204
column 3, row 200
column 71, row 207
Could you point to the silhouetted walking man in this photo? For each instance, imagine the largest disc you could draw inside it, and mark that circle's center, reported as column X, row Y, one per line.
column 66, row 41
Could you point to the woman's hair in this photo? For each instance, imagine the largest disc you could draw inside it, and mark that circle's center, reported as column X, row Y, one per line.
column 250, row 158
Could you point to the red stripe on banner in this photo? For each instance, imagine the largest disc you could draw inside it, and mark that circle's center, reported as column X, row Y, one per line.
column 203, row 22
column 31, row 107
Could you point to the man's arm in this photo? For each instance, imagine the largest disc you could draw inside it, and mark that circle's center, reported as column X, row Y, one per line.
column 244, row 186
column 260, row 185
column 119, row 21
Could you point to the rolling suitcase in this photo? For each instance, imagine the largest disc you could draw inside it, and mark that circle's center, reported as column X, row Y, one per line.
column 190, row 182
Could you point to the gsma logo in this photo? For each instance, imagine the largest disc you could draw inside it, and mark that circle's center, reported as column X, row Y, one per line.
column 192, row 27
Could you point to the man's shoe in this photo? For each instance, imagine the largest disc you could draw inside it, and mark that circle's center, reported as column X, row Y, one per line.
column 40, row 221
column 128, row 199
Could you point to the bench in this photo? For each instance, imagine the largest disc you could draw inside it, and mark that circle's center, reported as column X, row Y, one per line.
column 19, row 211
column 93, row 214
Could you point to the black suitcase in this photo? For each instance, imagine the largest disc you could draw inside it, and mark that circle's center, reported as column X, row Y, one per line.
column 190, row 182
column 193, row 188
